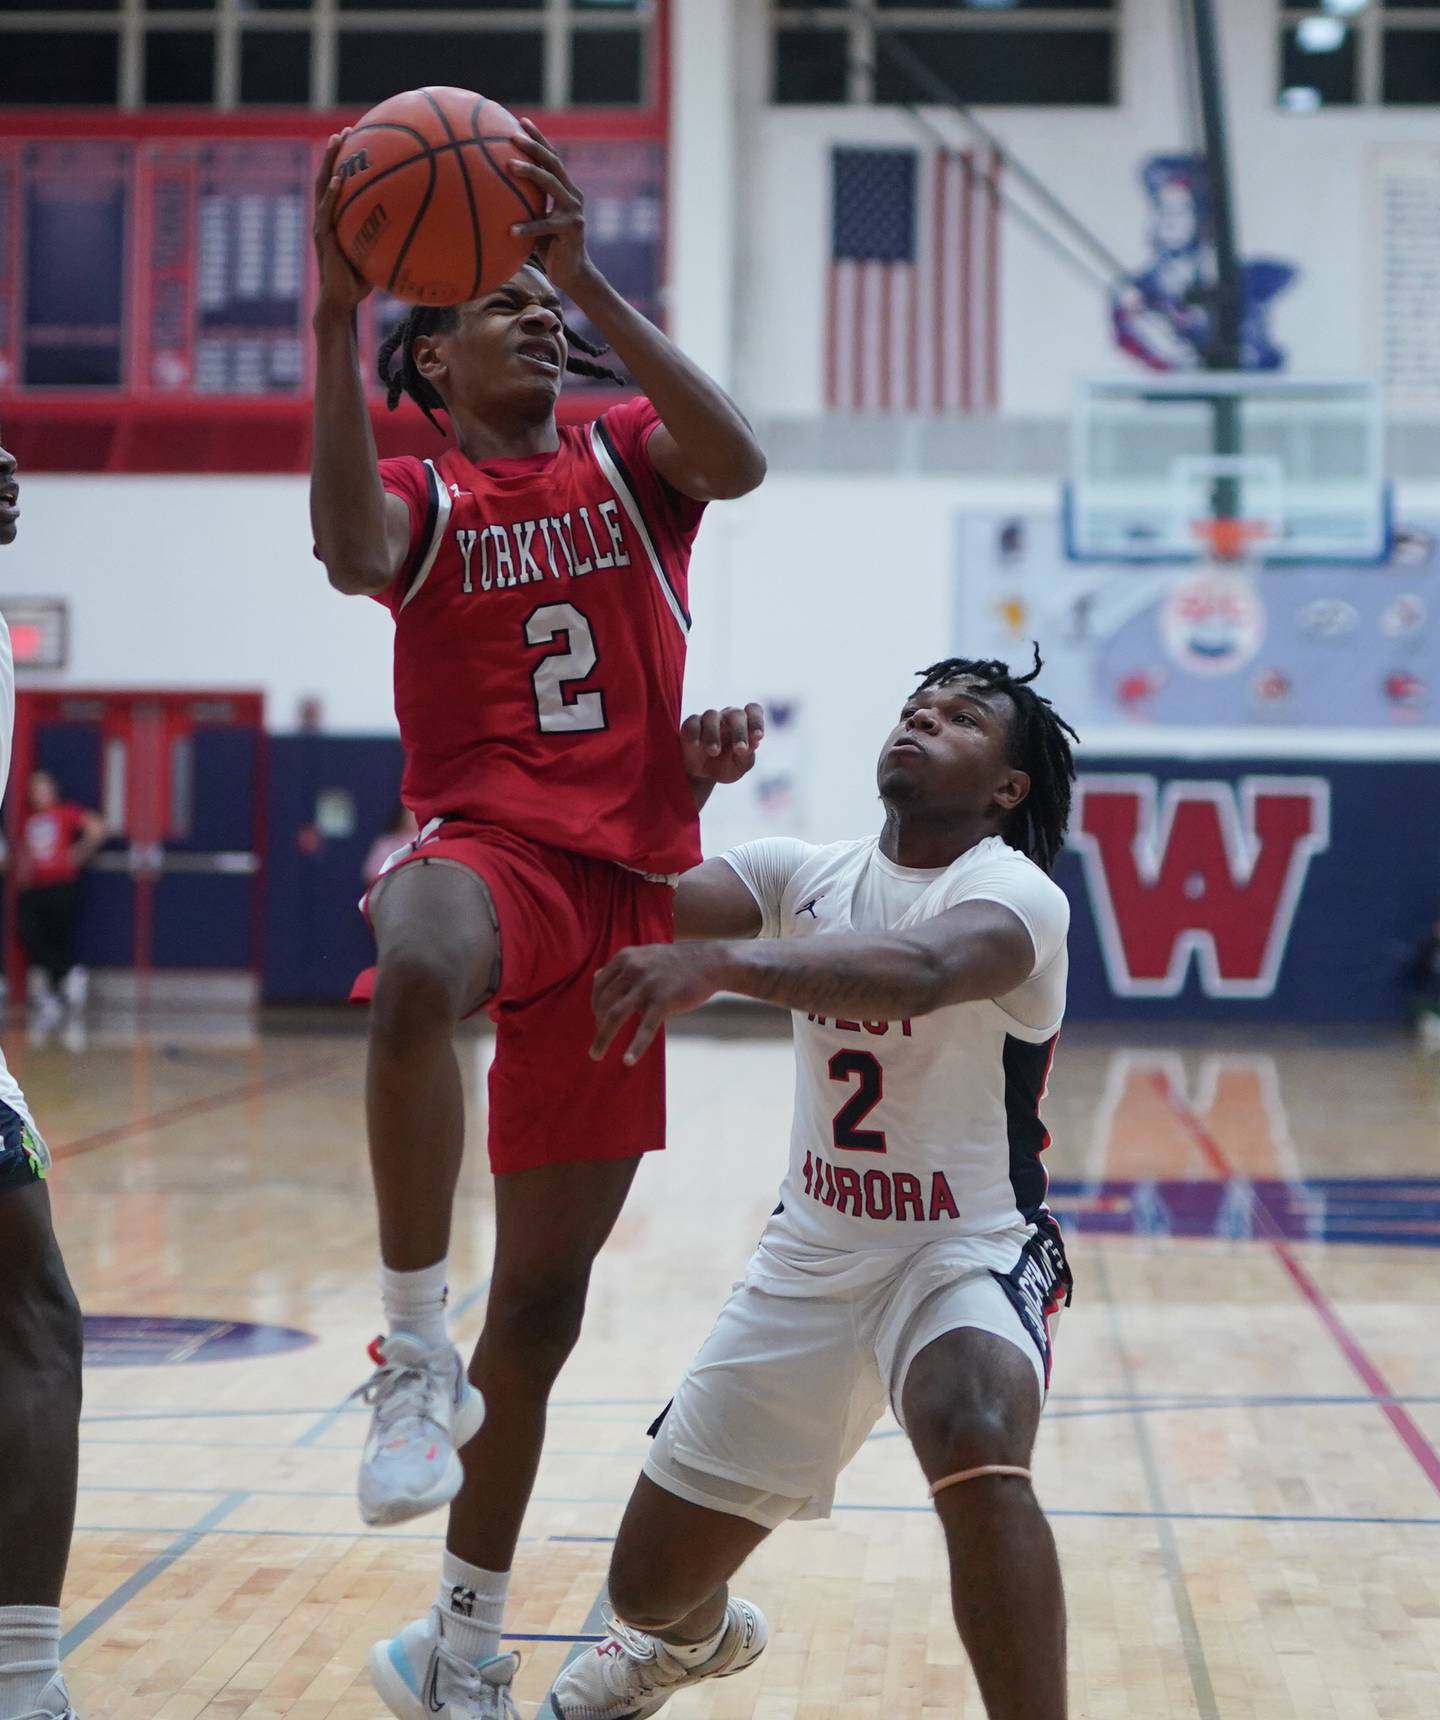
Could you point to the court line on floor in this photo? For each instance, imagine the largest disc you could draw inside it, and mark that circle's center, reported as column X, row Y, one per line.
column 118, row 1597
column 1112, row 1403
column 260, row 1089
column 1076, row 1513
column 1406, row 1427
column 189, row 1538
column 1196, row 1665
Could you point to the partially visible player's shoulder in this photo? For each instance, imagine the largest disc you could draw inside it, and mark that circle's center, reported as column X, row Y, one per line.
column 831, row 862
column 993, row 865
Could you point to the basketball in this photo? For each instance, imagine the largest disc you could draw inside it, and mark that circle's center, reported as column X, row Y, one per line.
column 427, row 200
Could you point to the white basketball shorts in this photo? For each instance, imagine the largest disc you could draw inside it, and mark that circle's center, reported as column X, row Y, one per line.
column 786, row 1389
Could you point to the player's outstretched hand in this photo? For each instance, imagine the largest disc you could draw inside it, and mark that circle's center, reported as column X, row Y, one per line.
column 651, row 981
column 559, row 234
column 341, row 288
column 719, row 746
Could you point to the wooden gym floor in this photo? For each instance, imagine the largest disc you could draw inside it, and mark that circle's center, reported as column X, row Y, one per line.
column 1240, row 1453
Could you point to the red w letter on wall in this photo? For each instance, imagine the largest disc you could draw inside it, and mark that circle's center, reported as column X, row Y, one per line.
column 1195, row 869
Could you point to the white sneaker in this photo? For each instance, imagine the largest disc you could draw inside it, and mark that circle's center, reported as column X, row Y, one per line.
column 55, row 1702
column 419, row 1677
column 75, row 989
column 425, row 1410
column 631, row 1675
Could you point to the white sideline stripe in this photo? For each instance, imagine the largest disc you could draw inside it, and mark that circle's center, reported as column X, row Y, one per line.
column 632, row 507
column 1154, row 740
column 437, row 537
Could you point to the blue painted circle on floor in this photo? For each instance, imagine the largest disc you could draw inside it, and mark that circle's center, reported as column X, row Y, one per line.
column 152, row 1341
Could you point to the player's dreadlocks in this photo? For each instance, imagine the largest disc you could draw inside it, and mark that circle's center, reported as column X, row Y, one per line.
column 399, row 375
column 1039, row 744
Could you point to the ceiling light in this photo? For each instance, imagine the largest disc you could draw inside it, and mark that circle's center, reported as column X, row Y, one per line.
column 1344, row 8
column 1320, row 35
column 1299, row 98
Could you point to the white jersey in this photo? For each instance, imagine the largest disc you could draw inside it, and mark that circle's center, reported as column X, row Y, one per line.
column 9, row 1088
column 909, row 1133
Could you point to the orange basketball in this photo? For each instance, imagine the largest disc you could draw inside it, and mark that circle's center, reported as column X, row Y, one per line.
column 426, row 198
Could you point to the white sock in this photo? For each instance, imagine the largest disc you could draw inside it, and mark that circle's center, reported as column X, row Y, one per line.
column 415, row 1302
column 29, row 1657
column 472, row 1603
column 696, row 1653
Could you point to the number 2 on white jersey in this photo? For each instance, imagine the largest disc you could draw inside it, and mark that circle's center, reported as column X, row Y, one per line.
column 847, row 1066
column 559, row 711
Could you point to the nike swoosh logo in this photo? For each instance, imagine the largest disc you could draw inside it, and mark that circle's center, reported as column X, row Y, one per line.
column 432, row 1688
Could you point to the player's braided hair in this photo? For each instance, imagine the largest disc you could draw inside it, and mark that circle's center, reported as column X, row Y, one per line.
column 1039, row 744
column 399, row 374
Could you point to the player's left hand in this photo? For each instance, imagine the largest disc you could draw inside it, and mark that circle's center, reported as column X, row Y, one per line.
column 651, row 981
column 559, row 234
column 719, row 746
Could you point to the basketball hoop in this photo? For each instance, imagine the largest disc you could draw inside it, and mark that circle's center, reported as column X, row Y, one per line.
column 1228, row 542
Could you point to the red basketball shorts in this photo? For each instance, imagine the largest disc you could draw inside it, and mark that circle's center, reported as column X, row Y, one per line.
column 561, row 918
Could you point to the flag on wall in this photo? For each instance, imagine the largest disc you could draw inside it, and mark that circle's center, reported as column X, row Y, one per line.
column 912, row 321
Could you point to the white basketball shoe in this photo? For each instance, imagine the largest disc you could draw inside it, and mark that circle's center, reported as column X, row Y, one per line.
column 425, row 1410
column 54, row 1702
column 631, row 1675
column 420, row 1677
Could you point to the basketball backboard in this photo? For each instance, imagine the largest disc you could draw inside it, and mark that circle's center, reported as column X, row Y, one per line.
column 1157, row 459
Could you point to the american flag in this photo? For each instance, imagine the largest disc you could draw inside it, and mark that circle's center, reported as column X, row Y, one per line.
column 914, row 282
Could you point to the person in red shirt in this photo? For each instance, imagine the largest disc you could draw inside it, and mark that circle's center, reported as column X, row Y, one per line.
column 58, row 840
column 538, row 579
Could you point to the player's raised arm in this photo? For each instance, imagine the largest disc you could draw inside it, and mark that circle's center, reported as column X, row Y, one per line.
column 361, row 533
column 718, row 748
column 704, row 446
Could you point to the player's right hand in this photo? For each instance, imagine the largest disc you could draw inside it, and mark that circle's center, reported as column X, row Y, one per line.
column 341, row 287
column 719, row 746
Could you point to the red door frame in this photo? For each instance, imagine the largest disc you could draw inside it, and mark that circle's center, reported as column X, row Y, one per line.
column 168, row 715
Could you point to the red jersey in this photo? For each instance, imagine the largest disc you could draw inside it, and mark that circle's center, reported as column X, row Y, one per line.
column 50, row 838
column 540, row 629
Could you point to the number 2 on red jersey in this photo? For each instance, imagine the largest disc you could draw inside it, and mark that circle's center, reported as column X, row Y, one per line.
column 557, row 709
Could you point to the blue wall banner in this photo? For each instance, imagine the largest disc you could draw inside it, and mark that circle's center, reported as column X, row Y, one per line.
column 1252, row 890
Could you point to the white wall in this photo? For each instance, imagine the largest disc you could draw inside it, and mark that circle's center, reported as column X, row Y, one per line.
column 206, row 582
column 1307, row 194
column 828, row 592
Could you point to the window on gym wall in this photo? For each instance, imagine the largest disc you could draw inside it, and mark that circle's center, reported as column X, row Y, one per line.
column 1035, row 53
column 322, row 53
column 1349, row 53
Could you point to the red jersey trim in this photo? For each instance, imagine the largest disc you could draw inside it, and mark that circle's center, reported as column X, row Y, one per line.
column 610, row 463
column 436, row 520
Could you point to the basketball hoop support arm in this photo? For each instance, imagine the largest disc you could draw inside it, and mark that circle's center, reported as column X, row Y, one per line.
column 1224, row 352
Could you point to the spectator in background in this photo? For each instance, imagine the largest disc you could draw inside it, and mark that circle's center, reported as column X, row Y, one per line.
column 400, row 831
column 58, row 840
column 1424, row 978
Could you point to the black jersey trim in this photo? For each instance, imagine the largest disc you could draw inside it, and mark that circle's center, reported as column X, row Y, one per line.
column 1027, row 1070
column 437, row 517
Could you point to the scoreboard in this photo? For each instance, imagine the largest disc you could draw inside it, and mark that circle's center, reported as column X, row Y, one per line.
column 175, row 269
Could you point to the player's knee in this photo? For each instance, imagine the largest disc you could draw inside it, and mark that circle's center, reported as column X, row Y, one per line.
column 952, row 1432
column 637, row 1591
column 416, row 990
column 41, row 1329
column 535, row 1329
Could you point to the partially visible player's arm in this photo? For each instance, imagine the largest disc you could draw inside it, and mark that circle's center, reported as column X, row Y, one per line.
column 976, row 950
column 362, row 534
column 711, row 902
column 90, row 840
column 718, row 747
column 704, row 447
